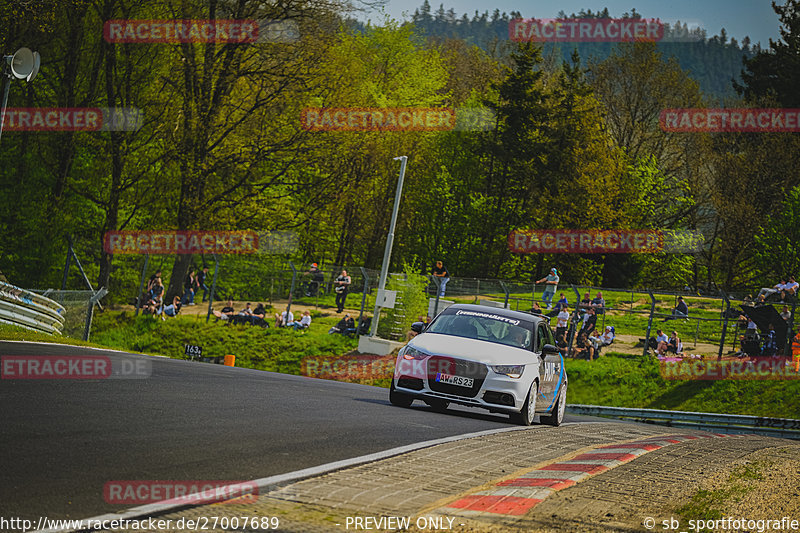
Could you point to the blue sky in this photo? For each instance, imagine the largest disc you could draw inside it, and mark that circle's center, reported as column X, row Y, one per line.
column 739, row 17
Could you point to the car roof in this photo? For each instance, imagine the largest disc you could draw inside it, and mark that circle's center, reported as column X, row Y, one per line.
column 519, row 315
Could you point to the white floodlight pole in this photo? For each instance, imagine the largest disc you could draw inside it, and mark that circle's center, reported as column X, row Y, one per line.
column 23, row 65
column 387, row 252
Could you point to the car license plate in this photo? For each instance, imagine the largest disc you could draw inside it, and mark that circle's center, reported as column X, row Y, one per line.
column 454, row 380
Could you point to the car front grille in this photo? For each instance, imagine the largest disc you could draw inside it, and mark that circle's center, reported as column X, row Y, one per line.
column 456, row 367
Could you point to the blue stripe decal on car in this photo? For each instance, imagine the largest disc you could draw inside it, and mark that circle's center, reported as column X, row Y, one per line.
column 558, row 385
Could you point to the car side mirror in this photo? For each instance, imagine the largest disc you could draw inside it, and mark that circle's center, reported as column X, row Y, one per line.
column 417, row 327
column 549, row 349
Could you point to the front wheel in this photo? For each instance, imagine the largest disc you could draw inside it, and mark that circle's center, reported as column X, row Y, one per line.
column 528, row 412
column 557, row 415
column 398, row 398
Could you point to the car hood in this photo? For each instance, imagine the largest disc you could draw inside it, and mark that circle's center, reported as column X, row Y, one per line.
column 471, row 349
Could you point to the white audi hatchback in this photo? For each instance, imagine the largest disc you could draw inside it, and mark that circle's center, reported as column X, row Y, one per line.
column 497, row 359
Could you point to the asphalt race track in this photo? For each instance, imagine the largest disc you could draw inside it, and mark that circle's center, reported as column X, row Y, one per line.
column 62, row 440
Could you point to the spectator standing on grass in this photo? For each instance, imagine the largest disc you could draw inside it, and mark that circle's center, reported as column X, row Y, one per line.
column 342, row 286
column 681, row 310
column 440, row 271
column 201, row 282
column 281, row 320
column 317, row 279
column 551, row 286
column 189, row 287
column 786, row 314
column 562, row 320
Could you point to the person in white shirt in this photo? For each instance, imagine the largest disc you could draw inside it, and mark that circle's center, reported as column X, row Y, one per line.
column 562, row 320
column 305, row 322
column 766, row 292
column 661, row 341
column 283, row 319
column 606, row 338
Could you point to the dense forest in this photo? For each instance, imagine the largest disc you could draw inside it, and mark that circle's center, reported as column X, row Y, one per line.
column 575, row 143
column 711, row 61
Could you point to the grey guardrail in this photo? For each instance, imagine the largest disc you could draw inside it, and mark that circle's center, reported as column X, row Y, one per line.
column 788, row 428
column 30, row 310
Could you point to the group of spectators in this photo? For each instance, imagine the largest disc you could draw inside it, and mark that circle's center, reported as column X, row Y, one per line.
column 783, row 291
column 153, row 299
column 589, row 341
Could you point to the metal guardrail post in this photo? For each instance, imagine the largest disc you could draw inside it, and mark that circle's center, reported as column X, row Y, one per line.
column 649, row 321
column 726, row 307
column 571, row 331
column 291, row 290
column 90, row 311
column 141, row 285
column 505, row 290
column 213, row 286
column 363, row 298
column 437, row 281
column 66, row 266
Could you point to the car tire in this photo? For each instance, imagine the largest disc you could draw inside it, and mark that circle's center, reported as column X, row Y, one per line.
column 437, row 405
column 398, row 398
column 528, row 413
column 557, row 415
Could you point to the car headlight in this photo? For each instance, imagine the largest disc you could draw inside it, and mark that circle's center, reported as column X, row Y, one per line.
column 411, row 353
column 512, row 371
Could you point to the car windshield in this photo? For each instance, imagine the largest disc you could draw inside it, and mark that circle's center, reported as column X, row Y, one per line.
column 484, row 326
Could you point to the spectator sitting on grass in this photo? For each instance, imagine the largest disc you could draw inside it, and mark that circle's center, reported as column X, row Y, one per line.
column 583, row 349
column 283, row 319
column 599, row 304
column 535, row 309
column 674, row 344
column 681, row 310
column 562, row 302
column 661, row 342
column 171, row 310
column 770, row 348
column 606, row 338
column 789, row 289
column 304, row 323
column 345, row 326
column 247, row 311
column 589, row 322
column 766, row 292
column 226, row 312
